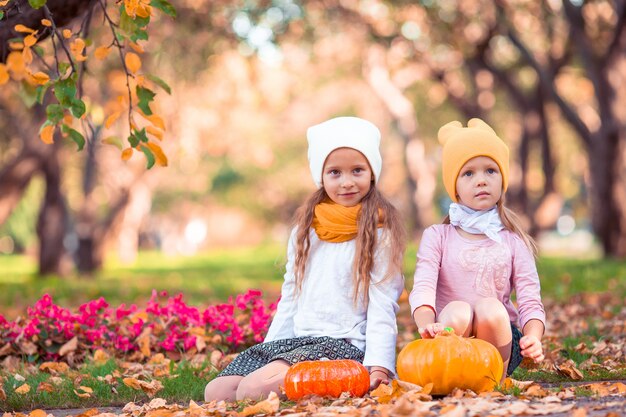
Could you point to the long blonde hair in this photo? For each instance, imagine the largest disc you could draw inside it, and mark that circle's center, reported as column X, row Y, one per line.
column 512, row 223
column 366, row 238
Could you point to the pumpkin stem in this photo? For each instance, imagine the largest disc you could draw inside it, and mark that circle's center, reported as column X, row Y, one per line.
column 447, row 331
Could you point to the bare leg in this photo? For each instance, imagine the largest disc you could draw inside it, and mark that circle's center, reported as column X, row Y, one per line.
column 264, row 380
column 222, row 388
column 458, row 315
column 492, row 323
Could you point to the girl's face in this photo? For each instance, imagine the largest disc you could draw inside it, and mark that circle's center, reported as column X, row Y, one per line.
column 479, row 184
column 347, row 176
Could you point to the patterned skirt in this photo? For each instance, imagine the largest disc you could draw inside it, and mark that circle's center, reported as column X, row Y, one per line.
column 516, row 352
column 293, row 350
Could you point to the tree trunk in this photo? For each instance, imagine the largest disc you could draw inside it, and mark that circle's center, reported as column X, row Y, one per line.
column 14, row 178
column 52, row 222
column 604, row 168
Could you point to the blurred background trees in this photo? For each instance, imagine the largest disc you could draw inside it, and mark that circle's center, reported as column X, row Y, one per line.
column 248, row 78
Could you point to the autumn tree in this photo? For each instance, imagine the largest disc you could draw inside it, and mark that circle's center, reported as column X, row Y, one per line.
column 48, row 50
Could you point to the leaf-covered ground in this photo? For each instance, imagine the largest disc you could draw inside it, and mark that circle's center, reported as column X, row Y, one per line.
column 584, row 374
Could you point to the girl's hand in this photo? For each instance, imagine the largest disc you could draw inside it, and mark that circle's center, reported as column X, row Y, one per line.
column 531, row 348
column 430, row 330
column 378, row 375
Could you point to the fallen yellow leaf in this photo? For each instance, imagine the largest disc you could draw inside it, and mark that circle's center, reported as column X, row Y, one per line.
column 46, row 387
column 54, row 368
column 569, row 370
column 268, row 406
column 100, row 357
column 22, row 389
column 69, row 346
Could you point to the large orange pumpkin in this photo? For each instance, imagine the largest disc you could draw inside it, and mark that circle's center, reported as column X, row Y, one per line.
column 450, row 361
column 326, row 378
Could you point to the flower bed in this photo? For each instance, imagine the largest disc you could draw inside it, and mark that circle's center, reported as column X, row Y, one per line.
column 166, row 325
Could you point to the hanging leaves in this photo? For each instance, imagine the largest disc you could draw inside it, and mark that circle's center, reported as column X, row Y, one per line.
column 60, row 70
column 133, row 62
column 145, row 97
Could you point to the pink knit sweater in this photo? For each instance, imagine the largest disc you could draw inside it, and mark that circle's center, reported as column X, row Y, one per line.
column 451, row 267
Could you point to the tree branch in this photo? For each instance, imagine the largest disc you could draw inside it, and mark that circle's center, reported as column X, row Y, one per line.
column 546, row 80
column 64, row 11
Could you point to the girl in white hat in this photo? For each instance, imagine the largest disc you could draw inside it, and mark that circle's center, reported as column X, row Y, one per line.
column 343, row 275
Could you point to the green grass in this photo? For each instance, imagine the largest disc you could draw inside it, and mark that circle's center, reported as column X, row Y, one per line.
column 215, row 275
column 203, row 278
column 561, row 278
column 186, row 383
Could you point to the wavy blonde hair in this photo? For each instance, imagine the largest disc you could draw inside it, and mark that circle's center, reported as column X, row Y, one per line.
column 366, row 238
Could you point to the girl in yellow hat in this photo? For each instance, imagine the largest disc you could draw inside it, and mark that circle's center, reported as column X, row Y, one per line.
column 468, row 266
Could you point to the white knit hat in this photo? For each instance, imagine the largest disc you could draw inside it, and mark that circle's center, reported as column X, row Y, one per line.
column 343, row 132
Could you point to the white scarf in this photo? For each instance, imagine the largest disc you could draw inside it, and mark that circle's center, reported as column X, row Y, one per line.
column 485, row 222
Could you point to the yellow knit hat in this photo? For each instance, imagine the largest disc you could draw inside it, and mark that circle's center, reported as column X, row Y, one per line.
column 460, row 144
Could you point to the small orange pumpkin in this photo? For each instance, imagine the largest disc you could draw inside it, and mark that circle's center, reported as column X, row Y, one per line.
column 450, row 361
column 326, row 378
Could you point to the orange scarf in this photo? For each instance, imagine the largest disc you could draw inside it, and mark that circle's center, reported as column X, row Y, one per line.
column 336, row 223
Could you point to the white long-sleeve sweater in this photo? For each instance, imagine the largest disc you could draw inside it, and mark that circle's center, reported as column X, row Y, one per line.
column 325, row 306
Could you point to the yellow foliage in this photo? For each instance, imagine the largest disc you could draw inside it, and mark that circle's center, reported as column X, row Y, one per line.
column 140, row 80
column 156, row 120
column 54, row 368
column 157, row 133
column 111, row 119
column 4, row 3
column 67, row 33
column 77, row 47
column 30, row 40
column 131, row 7
column 102, row 52
column 22, row 389
column 85, row 392
column 15, row 64
column 136, row 47
column 46, row 22
column 161, row 159
column 40, row 78
column 46, row 134
column 143, row 10
column 16, row 46
column 23, row 29
column 100, row 357
column 127, row 153
column 133, row 62
column 27, row 54
column 4, row 74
